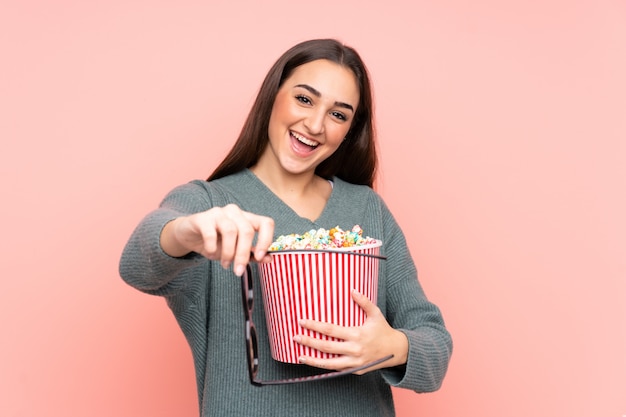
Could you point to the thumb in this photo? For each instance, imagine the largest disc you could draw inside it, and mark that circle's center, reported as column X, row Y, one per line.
column 365, row 303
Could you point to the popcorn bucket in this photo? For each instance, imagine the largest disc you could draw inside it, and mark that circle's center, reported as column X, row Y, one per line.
column 315, row 284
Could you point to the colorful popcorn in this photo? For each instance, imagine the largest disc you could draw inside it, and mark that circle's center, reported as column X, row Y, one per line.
column 323, row 239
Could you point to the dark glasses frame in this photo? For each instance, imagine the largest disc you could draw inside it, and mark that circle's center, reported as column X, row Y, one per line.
column 252, row 344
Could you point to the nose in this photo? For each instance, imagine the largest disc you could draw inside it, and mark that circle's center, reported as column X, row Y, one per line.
column 314, row 121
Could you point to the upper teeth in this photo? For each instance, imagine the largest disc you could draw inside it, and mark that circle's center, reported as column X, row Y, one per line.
column 304, row 140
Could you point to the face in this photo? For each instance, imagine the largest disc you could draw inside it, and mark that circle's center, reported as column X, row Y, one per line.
column 312, row 114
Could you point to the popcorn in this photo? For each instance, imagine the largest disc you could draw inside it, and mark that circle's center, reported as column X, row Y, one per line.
column 323, row 239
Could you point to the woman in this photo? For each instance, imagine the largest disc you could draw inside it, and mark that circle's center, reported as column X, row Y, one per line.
column 305, row 159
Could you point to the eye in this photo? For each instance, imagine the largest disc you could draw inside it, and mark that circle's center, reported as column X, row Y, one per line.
column 303, row 99
column 339, row 116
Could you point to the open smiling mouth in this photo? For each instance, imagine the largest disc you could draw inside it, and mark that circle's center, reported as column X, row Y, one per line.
column 308, row 142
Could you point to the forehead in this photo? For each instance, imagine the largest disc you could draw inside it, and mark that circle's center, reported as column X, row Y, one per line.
column 332, row 80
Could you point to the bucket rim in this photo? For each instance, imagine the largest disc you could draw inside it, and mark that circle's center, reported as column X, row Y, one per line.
column 351, row 250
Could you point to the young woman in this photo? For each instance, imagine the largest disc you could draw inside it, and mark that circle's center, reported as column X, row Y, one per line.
column 305, row 159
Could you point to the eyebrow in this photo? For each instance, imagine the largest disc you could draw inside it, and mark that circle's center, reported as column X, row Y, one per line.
column 318, row 94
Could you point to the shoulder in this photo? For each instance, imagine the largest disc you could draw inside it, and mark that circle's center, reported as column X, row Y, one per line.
column 344, row 186
column 233, row 189
column 356, row 193
column 199, row 195
column 375, row 212
column 216, row 187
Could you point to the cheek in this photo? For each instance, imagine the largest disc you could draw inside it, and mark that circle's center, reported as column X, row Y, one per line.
column 281, row 109
column 337, row 133
column 275, row 119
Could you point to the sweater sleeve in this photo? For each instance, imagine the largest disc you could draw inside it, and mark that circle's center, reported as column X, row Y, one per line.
column 408, row 310
column 143, row 264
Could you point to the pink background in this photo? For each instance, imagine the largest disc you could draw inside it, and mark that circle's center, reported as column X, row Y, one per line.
column 503, row 135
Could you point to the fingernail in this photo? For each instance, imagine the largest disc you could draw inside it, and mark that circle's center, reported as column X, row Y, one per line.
column 239, row 270
column 301, row 360
column 297, row 338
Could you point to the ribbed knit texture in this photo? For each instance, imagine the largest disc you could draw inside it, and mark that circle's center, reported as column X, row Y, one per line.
column 206, row 300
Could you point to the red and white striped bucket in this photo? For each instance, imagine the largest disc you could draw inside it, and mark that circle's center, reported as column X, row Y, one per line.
column 315, row 284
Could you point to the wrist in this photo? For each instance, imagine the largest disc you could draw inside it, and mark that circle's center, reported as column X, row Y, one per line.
column 400, row 348
column 168, row 241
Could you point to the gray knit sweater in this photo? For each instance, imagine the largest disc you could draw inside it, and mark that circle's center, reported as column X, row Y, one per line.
column 206, row 300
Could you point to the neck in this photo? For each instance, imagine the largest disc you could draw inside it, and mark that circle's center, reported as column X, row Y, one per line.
column 305, row 193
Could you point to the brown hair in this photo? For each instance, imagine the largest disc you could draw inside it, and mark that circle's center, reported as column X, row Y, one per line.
column 354, row 161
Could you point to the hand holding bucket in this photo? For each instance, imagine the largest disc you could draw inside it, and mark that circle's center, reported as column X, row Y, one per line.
column 315, row 284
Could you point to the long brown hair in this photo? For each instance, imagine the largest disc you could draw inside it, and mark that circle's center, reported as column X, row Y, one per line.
column 355, row 160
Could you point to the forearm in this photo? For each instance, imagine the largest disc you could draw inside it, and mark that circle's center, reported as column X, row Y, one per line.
column 409, row 311
column 143, row 264
column 429, row 342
